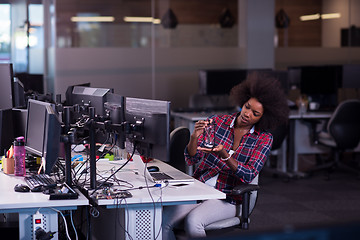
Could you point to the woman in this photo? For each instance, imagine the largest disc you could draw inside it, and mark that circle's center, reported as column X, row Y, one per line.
column 242, row 145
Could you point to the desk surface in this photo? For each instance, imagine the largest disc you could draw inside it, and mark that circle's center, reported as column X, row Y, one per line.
column 195, row 116
column 169, row 195
column 294, row 114
column 11, row 200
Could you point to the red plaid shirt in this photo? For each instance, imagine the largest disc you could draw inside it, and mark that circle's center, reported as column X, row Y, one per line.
column 251, row 155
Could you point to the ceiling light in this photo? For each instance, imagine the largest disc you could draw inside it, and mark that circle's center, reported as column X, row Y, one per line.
column 142, row 20
column 330, row 15
column 93, row 19
column 318, row 16
column 310, row 17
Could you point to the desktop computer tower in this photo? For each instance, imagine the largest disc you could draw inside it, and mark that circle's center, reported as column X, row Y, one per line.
column 6, row 129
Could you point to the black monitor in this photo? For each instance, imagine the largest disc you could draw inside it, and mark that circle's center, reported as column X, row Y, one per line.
column 115, row 111
column 6, row 129
column 6, row 86
column 148, row 127
column 42, row 134
column 211, row 79
column 321, row 84
column 89, row 97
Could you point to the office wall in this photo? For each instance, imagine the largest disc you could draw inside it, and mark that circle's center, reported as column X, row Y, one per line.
column 285, row 57
column 129, row 70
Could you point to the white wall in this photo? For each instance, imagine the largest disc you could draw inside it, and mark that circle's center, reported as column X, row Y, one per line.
column 128, row 70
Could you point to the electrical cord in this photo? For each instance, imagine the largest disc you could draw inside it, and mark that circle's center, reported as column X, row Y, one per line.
column 65, row 223
column 154, row 203
column 121, row 167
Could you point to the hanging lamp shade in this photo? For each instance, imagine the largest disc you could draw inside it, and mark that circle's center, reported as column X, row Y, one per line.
column 169, row 20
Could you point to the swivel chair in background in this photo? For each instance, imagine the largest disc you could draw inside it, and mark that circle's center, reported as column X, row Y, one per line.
column 342, row 133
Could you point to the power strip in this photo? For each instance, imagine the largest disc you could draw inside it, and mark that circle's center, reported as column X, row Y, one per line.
column 39, row 221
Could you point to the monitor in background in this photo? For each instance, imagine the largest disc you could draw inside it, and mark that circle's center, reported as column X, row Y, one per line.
column 6, row 86
column 210, row 79
column 115, row 111
column 6, row 129
column 70, row 89
column 89, row 97
column 42, row 133
column 321, row 83
column 148, row 127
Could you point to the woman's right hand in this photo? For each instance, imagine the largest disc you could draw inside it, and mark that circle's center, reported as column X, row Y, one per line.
column 199, row 128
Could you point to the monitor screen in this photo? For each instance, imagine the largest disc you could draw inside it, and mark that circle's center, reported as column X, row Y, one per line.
column 6, row 86
column 148, row 127
column 42, row 133
column 321, row 84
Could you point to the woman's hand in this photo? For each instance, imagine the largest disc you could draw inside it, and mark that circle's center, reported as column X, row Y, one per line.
column 219, row 150
column 199, row 128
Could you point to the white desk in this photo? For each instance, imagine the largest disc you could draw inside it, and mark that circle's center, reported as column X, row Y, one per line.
column 188, row 119
column 26, row 204
column 141, row 215
column 300, row 137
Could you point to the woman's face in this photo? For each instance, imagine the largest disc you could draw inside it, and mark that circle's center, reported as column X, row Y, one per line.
column 251, row 113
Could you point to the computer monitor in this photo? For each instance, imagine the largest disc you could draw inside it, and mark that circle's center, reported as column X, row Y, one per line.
column 6, row 86
column 148, row 127
column 6, row 129
column 211, row 79
column 321, row 84
column 115, row 111
column 89, row 97
column 42, row 133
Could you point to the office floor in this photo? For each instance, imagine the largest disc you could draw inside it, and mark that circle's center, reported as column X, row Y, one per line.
column 297, row 205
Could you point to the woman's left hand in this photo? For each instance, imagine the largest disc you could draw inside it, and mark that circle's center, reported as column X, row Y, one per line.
column 219, row 149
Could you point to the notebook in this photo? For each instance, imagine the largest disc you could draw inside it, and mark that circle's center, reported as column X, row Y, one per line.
column 158, row 177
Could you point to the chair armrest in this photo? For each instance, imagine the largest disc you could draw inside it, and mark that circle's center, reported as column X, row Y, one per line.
column 244, row 188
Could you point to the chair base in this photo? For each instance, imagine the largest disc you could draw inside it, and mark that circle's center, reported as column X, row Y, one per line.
column 333, row 165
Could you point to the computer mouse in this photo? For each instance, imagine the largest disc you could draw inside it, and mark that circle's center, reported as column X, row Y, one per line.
column 153, row 169
column 39, row 188
column 21, row 188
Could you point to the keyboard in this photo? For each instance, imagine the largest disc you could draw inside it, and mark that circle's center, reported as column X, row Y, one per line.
column 34, row 181
column 160, row 176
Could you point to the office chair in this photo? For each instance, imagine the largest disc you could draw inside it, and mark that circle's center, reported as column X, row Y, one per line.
column 342, row 133
column 179, row 138
column 278, row 150
column 249, row 191
column 249, row 196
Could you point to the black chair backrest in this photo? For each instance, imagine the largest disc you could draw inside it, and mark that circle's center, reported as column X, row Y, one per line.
column 279, row 134
column 344, row 124
column 179, row 138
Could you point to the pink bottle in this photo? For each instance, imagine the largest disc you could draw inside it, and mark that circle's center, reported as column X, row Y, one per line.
column 19, row 156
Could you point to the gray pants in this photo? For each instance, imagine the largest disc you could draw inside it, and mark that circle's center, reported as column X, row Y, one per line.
column 196, row 217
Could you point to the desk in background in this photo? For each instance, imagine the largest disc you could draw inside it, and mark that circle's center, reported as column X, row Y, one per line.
column 188, row 119
column 26, row 204
column 140, row 216
column 300, row 141
column 299, row 137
